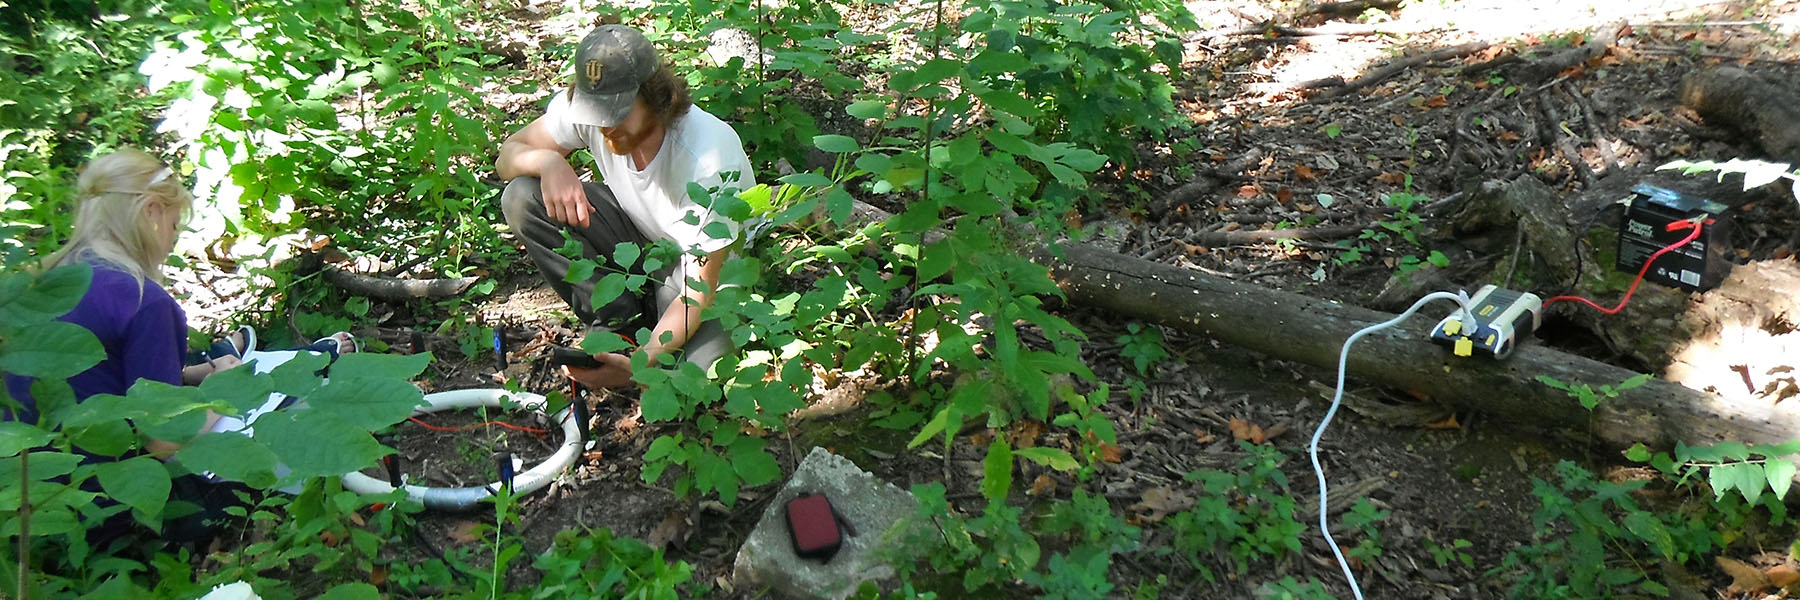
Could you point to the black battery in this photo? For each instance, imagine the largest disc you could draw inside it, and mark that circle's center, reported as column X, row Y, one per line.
column 1699, row 265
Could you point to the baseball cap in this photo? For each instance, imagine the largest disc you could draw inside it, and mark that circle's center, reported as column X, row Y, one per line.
column 610, row 64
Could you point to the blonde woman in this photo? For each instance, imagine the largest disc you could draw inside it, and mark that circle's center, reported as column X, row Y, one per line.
column 130, row 207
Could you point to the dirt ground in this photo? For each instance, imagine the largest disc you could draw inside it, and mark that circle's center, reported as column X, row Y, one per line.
column 1441, row 476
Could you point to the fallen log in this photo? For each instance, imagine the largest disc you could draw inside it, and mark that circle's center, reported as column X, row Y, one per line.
column 1394, row 68
column 394, row 290
column 1733, row 99
column 1295, row 327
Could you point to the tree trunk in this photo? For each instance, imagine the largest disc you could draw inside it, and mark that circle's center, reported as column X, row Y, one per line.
column 1296, row 327
column 1734, row 99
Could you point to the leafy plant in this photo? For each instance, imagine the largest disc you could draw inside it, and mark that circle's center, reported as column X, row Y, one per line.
column 1590, row 397
column 1595, row 541
column 1748, row 469
column 1443, row 555
column 1245, row 515
column 1362, row 519
column 1143, row 345
column 1756, row 173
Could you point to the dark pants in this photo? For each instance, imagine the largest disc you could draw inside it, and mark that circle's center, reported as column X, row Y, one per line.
column 523, row 205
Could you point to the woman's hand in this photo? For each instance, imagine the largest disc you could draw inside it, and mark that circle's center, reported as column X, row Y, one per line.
column 615, row 371
column 193, row 375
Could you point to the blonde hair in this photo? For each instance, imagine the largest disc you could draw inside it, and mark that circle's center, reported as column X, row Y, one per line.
column 114, row 194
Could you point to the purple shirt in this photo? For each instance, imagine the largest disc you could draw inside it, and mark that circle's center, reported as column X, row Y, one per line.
column 144, row 333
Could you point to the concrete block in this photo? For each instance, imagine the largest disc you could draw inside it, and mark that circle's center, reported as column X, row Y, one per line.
column 873, row 506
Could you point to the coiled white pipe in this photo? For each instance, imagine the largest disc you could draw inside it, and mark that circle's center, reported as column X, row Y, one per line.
column 464, row 498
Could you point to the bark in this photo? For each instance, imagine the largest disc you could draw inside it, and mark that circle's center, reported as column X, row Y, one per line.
column 1734, row 99
column 395, row 290
column 1309, row 330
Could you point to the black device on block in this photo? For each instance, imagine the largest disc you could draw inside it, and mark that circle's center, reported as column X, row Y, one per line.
column 1698, row 266
column 815, row 527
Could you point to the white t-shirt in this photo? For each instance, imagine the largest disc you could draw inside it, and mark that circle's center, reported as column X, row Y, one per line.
column 697, row 148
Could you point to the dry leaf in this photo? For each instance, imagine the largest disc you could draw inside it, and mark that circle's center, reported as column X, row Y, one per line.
column 1305, row 173
column 1248, row 191
column 1782, row 575
column 1744, row 578
column 1240, row 429
column 673, row 528
column 1042, row 485
column 1110, row 453
column 1391, row 178
column 1435, row 102
column 1284, row 196
column 1072, row 219
column 331, row 540
column 1159, row 503
column 464, row 532
column 1447, row 423
column 980, row 439
column 1201, row 437
column 1256, row 435
column 1306, row 207
column 378, row 576
column 1025, row 433
column 1399, row 120
column 1506, row 135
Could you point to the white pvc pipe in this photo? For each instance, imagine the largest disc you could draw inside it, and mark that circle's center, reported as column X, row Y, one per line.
column 464, row 498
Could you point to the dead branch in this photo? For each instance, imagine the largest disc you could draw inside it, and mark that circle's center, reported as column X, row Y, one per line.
column 1543, row 69
column 1719, row 55
column 394, row 290
column 1394, row 68
column 1205, row 184
column 1551, row 133
column 1350, row 8
column 1595, row 128
column 1264, row 236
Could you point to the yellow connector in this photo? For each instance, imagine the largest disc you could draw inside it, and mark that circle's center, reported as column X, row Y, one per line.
column 1464, row 347
column 1452, row 327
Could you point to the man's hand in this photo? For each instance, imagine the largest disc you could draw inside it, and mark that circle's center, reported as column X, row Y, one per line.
column 564, row 199
column 614, row 372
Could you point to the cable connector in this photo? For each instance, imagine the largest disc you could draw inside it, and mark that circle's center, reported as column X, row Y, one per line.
column 1493, row 323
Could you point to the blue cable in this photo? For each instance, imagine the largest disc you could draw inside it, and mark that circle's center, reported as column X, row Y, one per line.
column 1462, row 301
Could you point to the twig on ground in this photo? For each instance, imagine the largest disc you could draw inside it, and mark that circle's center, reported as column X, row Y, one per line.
column 1396, row 67
column 1610, row 161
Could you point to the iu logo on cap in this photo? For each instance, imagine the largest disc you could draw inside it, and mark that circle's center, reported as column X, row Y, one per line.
column 592, row 70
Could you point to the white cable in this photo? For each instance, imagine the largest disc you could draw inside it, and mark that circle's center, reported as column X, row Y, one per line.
column 1462, row 301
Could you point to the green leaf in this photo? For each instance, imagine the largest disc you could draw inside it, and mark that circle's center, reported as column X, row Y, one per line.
column 242, row 389
column 755, row 466
column 1637, row 453
column 867, row 109
column 579, row 271
column 608, row 289
column 933, row 427
column 299, row 375
column 57, row 350
column 936, row 261
column 16, row 437
column 996, row 480
column 836, row 144
column 935, row 70
column 232, row 456
column 625, row 254
column 1747, row 478
column 660, row 404
column 355, row 590
column 1780, row 472
column 838, row 205
column 1650, row 529
column 365, row 403
column 1050, row 457
column 320, row 445
column 807, row 179
column 141, row 483
column 29, row 299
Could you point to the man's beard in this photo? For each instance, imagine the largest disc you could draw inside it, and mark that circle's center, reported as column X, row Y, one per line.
column 623, row 142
